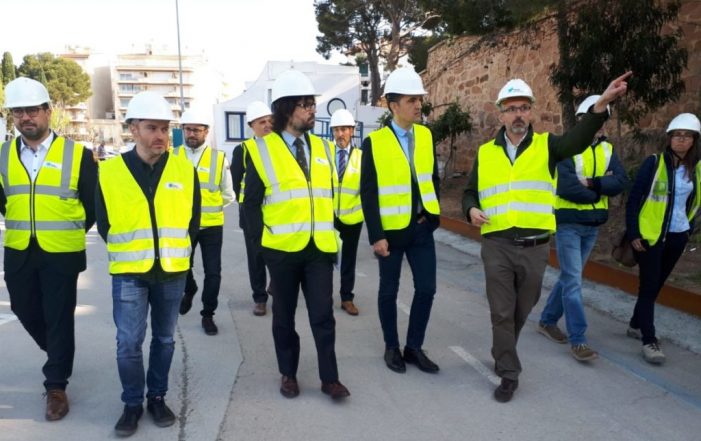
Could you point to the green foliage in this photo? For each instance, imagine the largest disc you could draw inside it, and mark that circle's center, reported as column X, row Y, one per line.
column 418, row 54
column 8, row 68
column 385, row 119
column 601, row 39
column 66, row 81
column 452, row 123
column 2, row 91
column 60, row 119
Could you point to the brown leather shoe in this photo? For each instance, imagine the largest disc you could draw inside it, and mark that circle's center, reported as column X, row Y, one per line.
column 349, row 307
column 335, row 390
column 289, row 387
column 56, row 404
column 260, row 309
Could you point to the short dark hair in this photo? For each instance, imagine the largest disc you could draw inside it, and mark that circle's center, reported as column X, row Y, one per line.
column 392, row 98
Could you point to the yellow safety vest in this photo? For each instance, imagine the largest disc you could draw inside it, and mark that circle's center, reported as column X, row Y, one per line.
column 295, row 211
column 47, row 208
column 521, row 194
column 394, row 175
column 210, row 175
column 347, row 196
column 244, row 153
column 651, row 216
column 130, row 241
column 591, row 163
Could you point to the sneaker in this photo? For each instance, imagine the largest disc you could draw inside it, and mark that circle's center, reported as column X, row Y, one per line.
column 552, row 332
column 210, row 328
column 653, row 354
column 582, row 352
column 129, row 421
column 161, row 414
column 634, row 333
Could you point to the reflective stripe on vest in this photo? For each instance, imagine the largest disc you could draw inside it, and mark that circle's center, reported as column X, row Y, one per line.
column 47, row 208
column 210, row 174
column 131, row 245
column 394, row 175
column 349, row 209
column 592, row 163
column 244, row 153
column 294, row 210
column 521, row 194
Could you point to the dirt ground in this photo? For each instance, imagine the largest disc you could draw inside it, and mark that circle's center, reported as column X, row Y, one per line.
column 686, row 274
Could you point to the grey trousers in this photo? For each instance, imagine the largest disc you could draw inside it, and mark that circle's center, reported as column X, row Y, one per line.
column 514, row 278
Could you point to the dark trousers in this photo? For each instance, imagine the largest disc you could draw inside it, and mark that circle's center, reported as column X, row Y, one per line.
column 43, row 297
column 349, row 235
column 420, row 252
column 256, row 265
column 656, row 264
column 514, row 278
column 210, row 241
column 313, row 271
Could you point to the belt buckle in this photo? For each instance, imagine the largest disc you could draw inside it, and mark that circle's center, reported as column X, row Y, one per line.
column 520, row 243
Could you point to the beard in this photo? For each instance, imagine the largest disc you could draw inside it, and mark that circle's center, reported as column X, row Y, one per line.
column 307, row 125
column 32, row 132
column 193, row 143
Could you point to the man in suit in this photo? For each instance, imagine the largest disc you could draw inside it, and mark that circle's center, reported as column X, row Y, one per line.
column 399, row 191
column 47, row 198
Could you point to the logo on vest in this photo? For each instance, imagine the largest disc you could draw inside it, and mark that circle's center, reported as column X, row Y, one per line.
column 174, row 186
column 54, row 165
column 322, row 161
column 203, row 169
column 660, row 188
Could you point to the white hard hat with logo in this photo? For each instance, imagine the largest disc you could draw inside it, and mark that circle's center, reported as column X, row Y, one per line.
column 587, row 103
column 149, row 105
column 195, row 116
column 404, row 81
column 292, row 83
column 685, row 121
column 257, row 109
column 25, row 92
column 516, row 88
column 342, row 118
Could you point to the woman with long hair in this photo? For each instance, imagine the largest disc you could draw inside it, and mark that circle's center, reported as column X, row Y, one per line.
column 660, row 213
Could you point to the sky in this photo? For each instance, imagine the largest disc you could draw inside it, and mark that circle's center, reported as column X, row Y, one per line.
column 238, row 36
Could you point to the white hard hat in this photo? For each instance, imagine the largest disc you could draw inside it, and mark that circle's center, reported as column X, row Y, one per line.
column 25, row 92
column 587, row 103
column 404, row 81
column 257, row 109
column 292, row 83
column 516, row 88
column 685, row 121
column 342, row 118
column 149, row 105
column 195, row 116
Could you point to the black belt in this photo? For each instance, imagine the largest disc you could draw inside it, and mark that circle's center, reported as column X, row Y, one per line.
column 524, row 242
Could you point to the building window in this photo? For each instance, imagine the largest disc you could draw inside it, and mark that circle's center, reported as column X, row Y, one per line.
column 235, row 127
column 364, row 98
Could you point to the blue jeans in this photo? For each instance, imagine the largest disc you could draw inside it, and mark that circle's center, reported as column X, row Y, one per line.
column 574, row 242
column 131, row 297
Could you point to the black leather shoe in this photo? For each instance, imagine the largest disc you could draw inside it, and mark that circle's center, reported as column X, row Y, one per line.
column 129, row 421
column 186, row 303
column 506, row 390
column 394, row 361
column 210, row 328
column 161, row 414
column 419, row 358
column 335, row 390
column 289, row 387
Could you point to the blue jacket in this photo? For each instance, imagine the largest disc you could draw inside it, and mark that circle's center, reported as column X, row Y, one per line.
column 569, row 187
column 641, row 188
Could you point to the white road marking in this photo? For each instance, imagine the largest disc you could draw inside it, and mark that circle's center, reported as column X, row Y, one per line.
column 403, row 307
column 476, row 365
column 7, row 318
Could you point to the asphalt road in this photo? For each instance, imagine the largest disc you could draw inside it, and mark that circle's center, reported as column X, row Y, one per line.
column 226, row 387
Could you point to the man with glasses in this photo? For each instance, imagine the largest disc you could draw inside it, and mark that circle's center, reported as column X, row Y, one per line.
column 217, row 192
column 288, row 207
column 511, row 196
column 48, row 200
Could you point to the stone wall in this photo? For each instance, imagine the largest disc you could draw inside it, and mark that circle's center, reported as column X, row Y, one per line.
column 471, row 70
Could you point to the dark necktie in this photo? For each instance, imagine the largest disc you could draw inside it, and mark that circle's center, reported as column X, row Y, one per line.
column 301, row 157
column 341, row 163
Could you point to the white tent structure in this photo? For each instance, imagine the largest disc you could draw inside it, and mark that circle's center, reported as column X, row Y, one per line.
column 339, row 87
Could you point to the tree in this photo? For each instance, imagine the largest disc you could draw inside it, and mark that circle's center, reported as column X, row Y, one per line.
column 601, row 39
column 2, row 91
column 66, row 81
column 418, row 53
column 453, row 122
column 8, row 68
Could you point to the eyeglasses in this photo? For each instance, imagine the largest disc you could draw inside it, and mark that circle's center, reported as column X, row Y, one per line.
column 513, row 109
column 31, row 112
column 193, row 130
column 682, row 136
column 307, row 106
